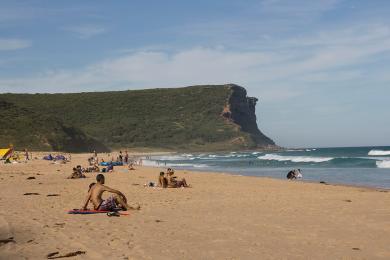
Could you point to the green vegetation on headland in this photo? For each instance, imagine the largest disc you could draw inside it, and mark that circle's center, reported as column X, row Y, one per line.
column 196, row 118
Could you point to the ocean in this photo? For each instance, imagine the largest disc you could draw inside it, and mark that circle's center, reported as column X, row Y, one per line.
column 359, row 166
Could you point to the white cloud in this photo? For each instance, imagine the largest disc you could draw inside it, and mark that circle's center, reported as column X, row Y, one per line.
column 13, row 44
column 278, row 73
column 297, row 7
column 86, row 31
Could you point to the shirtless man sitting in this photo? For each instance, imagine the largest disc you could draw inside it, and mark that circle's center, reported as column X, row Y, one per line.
column 111, row 203
column 173, row 182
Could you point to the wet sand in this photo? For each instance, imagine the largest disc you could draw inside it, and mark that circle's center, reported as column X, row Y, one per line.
column 221, row 217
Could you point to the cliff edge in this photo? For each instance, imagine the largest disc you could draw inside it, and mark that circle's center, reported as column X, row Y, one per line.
column 241, row 110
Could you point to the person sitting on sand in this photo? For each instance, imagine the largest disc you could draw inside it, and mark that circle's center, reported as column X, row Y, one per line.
column 96, row 168
column 298, row 173
column 131, row 167
column 173, row 183
column 290, row 175
column 111, row 203
column 76, row 174
column 294, row 174
column 110, row 168
column 162, row 181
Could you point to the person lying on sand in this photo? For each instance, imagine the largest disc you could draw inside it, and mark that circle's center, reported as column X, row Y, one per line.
column 111, row 203
column 173, row 182
column 94, row 168
column 162, row 181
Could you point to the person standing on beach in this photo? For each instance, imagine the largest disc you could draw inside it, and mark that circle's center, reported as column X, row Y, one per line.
column 95, row 157
column 120, row 156
column 126, row 157
column 26, row 154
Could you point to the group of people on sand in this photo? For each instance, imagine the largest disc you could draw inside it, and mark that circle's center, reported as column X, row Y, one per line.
column 294, row 174
column 169, row 180
column 16, row 157
column 77, row 173
column 118, row 201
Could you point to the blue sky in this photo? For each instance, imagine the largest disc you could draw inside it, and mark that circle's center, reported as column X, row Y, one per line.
column 319, row 68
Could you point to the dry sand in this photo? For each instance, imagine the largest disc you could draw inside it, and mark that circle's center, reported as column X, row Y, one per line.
column 221, row 217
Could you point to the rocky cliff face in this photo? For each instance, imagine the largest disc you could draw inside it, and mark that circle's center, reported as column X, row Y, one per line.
column 240, row 110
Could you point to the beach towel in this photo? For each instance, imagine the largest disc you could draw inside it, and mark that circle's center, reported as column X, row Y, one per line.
column 92, row 211
column 48, row 157
column 60, row 157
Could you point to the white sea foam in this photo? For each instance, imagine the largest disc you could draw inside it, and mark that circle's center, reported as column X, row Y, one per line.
column 153, row 163
column 280, row 158
column 378, row 152
column 222, row 156
column 383, row 164
column 186, row 165
column 170, row 158
column 370, row 158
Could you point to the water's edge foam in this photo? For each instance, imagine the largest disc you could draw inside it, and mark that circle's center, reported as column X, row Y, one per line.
column 296, row 159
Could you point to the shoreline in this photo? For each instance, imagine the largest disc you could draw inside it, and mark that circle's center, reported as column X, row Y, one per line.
column 137, row 153
column 278, row 179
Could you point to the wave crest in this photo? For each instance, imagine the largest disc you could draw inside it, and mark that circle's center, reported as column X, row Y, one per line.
column 378, row 152
column 295, row 159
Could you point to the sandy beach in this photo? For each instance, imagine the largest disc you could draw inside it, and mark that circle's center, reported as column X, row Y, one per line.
column 221, row 217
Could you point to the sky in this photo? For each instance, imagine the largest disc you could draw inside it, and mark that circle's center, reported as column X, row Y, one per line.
column 320, row 68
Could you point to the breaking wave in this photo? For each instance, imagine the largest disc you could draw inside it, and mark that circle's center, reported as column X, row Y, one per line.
column 296, row 159
column 383, row 164
column 153, row 163
column 378, row 152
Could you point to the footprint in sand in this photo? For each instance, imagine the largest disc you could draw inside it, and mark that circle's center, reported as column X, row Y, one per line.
column 6, row 241
column 61, row 225
column 130, row 245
